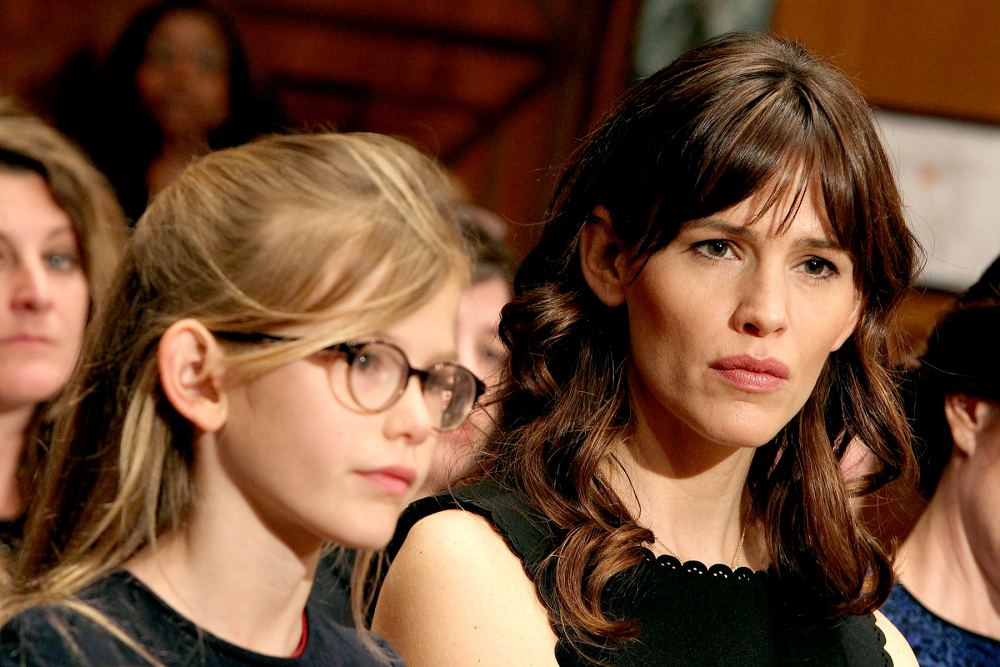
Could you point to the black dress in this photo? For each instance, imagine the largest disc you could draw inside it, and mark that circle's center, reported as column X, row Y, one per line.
column 57, row 635
column 688, row 614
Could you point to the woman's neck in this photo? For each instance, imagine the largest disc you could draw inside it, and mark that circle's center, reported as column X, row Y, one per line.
column 229, row 573
column 13, row 432
column 176, row 153
column 939, row 565
column 690, row 495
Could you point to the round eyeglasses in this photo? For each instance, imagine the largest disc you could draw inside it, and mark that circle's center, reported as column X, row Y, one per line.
column 378, row 372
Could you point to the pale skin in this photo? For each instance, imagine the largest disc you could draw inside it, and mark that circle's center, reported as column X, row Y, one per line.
column 275, row 474
column 955, row 546
column 691, row 447
column 43, row 311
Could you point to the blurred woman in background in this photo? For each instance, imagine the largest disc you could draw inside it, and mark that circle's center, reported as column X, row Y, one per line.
column 175, row 85
column 479, row 345
column 61, row 231
column 947, row 601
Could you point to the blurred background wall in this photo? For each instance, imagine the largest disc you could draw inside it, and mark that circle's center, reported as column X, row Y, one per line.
column 500, row 89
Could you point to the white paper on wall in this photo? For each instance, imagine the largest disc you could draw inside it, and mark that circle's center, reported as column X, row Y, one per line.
column 949, row 175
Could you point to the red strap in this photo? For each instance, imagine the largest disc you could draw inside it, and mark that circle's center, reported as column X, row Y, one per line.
column 301, row 648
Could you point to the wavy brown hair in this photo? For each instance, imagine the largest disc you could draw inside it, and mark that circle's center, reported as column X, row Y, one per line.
column 744, row 115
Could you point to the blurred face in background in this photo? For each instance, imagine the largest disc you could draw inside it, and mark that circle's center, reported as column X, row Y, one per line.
column 479, row 350
column 44, row 292
column 184, row 77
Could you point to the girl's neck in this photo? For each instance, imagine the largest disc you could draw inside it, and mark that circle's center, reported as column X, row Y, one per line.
column 938, row 564
column 690, row 495
column 230, row 574
column 13, row 433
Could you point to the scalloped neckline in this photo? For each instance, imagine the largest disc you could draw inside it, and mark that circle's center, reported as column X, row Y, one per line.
column 673, row 564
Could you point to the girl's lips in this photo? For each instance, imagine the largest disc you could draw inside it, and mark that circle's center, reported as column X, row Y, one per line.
column 751, row 374
column 394, row 480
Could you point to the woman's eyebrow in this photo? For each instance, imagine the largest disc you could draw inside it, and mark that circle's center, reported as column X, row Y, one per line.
column 749, row 233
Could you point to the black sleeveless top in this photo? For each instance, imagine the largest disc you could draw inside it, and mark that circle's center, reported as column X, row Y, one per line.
column 688, row 614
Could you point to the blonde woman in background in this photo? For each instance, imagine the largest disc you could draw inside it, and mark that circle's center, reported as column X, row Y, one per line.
column 61, row 231
column 269, row 378
column 479, row 345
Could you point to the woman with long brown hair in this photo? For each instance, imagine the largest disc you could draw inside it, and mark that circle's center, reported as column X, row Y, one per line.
column 696, row 338
column 61, row 232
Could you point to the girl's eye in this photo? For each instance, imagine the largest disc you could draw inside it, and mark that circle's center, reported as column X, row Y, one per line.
column 368, row 362
column 818, row 268
column 714, row 248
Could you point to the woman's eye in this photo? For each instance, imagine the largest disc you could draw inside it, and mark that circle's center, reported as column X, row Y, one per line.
column 159, row 55
column 818, row 268
column 211, row 62
column 62, row 261
column 493, row 354
column 714, row 248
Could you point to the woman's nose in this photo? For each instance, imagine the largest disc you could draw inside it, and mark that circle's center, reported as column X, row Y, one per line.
column 32, row 289
column 763, row 306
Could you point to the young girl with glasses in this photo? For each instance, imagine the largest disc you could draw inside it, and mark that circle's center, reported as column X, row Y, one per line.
column 695, row 340
column 269, row 378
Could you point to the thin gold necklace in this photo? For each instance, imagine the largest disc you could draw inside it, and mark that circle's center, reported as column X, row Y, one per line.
column 736, row 556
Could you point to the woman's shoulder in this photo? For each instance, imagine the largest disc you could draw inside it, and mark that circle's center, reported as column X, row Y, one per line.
column 506, row 510
column 895, row 644
column 456, row 591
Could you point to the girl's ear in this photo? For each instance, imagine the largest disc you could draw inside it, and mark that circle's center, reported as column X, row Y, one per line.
column 190, row 367
column 603, row 260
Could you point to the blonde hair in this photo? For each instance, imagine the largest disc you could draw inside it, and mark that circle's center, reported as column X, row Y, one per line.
column 278, row 232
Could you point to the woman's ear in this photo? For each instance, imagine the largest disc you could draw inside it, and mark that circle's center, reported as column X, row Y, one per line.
column 190, row 367
column 603, row 260
column 967, row 416
column 851, row 324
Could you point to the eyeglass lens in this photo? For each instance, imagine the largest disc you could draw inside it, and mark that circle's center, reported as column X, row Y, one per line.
column 378, row 375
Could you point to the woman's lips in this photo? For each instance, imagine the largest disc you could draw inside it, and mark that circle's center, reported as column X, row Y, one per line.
column 394, row 480
column 752, row 374
column 26, row 339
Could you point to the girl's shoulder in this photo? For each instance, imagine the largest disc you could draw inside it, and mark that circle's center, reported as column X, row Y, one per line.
column 84, row 630
column 119, row 621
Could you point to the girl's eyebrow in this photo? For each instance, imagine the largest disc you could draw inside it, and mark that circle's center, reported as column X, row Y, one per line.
column 749, row 233
column 438, row 356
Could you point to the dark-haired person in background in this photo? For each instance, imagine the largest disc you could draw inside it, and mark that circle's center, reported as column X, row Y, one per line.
column 175, row 85
column 947, row 602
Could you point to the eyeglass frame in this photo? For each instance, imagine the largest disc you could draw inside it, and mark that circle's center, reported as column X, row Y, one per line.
column 350, row 350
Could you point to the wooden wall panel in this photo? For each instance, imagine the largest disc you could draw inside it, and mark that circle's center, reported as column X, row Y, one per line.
column 925, row 56
column 499, row 89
